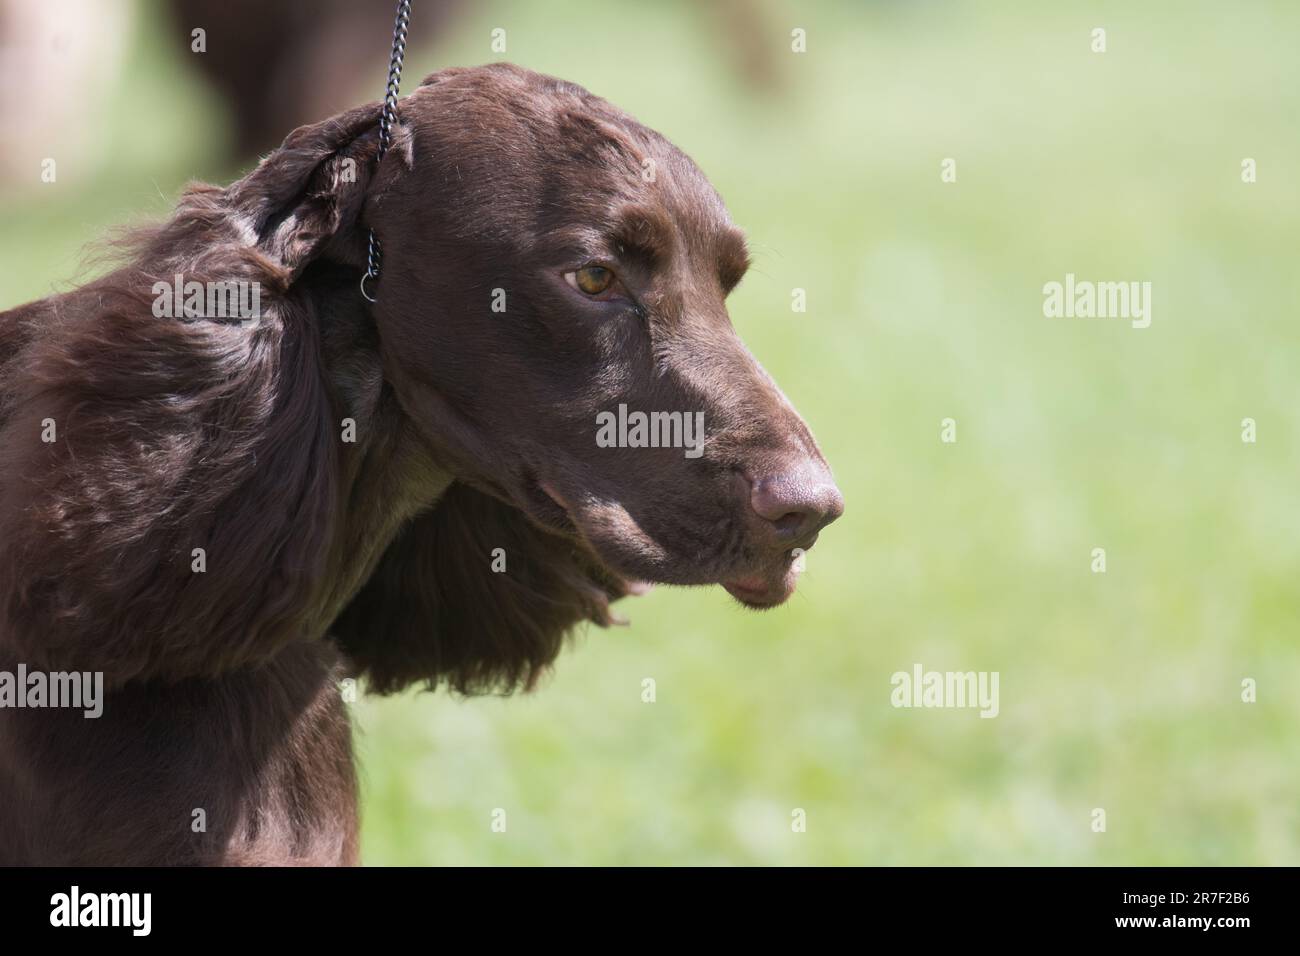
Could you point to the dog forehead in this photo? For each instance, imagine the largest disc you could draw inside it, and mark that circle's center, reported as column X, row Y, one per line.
column 506, row 139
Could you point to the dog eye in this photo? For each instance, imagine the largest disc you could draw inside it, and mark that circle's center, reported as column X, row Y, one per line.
column 591, row 280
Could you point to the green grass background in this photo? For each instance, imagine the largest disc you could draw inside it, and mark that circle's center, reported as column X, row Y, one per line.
column 1118, row 690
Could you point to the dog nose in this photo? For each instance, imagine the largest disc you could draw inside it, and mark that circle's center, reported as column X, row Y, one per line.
column 799, row 502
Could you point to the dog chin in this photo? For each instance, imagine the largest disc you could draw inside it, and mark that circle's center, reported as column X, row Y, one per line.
column 763, row 591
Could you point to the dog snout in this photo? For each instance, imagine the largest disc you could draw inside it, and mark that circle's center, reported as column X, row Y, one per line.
column 797, row 501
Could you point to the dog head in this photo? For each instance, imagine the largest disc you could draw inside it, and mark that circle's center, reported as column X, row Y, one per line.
column 552, row 313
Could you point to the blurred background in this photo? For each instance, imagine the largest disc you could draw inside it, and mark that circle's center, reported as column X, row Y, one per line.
column 1119, row 691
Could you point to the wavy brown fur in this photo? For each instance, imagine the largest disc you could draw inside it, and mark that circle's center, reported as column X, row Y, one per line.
column 379, row 556
column 174, row 435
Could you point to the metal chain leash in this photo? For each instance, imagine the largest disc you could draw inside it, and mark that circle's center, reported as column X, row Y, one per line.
column 374, row 255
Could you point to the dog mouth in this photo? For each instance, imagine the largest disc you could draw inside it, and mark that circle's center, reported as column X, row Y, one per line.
column 765, row 590
column 759, row 589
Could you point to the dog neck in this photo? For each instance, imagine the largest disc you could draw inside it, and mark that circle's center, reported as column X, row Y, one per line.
column 387, row 471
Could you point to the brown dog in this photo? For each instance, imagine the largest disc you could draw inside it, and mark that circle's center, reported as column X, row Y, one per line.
column 546, row 405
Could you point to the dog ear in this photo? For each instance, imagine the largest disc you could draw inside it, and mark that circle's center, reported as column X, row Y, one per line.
column 304, row 198
column 167, row 489
column 474, row 595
